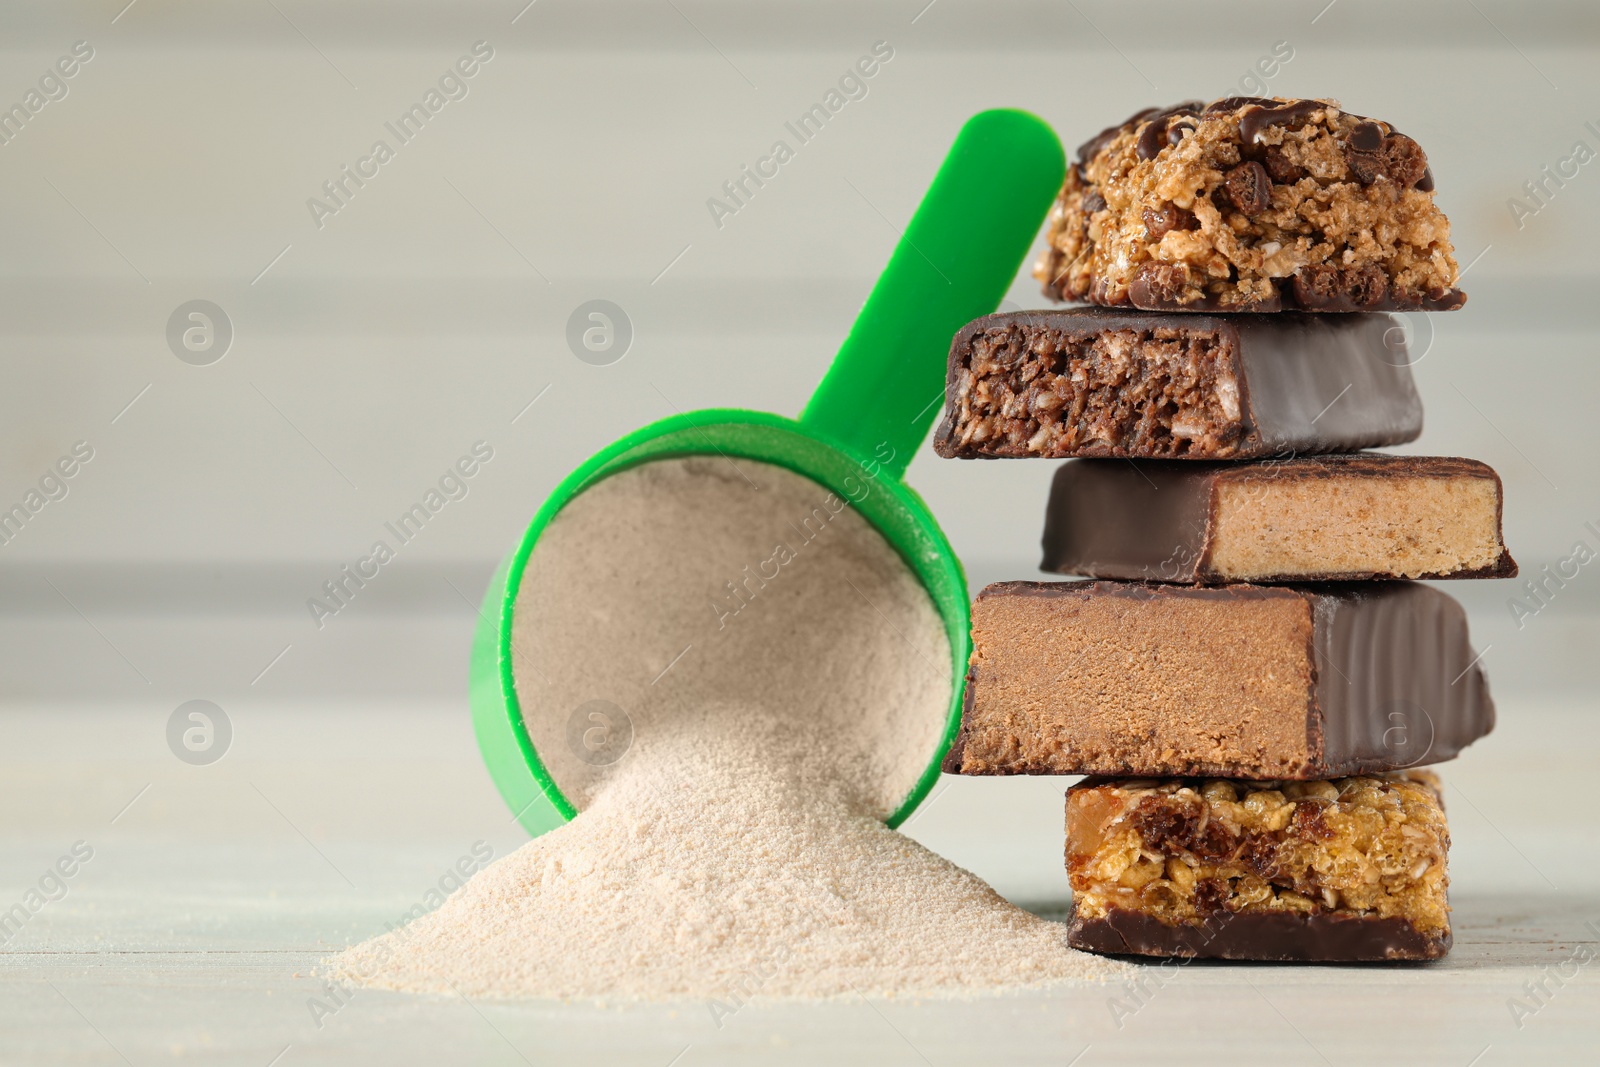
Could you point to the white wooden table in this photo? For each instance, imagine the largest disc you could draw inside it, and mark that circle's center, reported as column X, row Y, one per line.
column 189, row 935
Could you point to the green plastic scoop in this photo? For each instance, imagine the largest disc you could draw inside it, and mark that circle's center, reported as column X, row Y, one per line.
column 863, row 424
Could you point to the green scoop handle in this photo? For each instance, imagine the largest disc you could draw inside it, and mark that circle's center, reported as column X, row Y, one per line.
column 867, row 418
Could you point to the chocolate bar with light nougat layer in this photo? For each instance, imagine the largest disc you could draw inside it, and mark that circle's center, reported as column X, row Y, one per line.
column 1309, row 518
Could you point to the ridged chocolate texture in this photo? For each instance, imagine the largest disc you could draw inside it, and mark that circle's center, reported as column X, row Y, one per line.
column 1313, row 518
column 1255, row 936
column 1101, row 382
column 1236, row 681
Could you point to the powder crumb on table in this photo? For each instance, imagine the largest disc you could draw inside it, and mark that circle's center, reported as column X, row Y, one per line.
column 737, row 851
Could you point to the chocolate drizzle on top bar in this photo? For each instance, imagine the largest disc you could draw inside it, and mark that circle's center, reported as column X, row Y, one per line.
column 1259, row 117
column 1153, row 138
column 1260, row 114
column 1157, row 117
column 1234, row 103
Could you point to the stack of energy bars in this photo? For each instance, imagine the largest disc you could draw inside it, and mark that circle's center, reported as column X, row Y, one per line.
column 1255, row 671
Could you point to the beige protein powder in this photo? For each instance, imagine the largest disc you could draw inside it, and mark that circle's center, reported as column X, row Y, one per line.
column 787, row 680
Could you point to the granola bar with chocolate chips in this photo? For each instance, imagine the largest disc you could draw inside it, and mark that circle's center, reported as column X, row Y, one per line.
column 1251, row 204
column 1351, row 869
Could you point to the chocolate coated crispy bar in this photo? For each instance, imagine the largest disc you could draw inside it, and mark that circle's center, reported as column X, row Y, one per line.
column 1315, row 518
column 1345, row 870
column 1237, row 681
column 1093, row 382
column 1250, row 204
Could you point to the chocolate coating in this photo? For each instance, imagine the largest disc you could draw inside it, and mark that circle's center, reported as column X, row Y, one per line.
column 1266, row 936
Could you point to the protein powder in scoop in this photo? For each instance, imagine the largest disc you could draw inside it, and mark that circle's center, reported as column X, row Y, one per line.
column 785, row 676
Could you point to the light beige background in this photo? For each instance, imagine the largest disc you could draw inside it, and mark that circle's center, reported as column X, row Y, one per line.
column 429, row 311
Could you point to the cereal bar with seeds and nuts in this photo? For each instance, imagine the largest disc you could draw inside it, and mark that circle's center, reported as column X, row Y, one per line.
column 1345, row 870
column 1251, row 204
